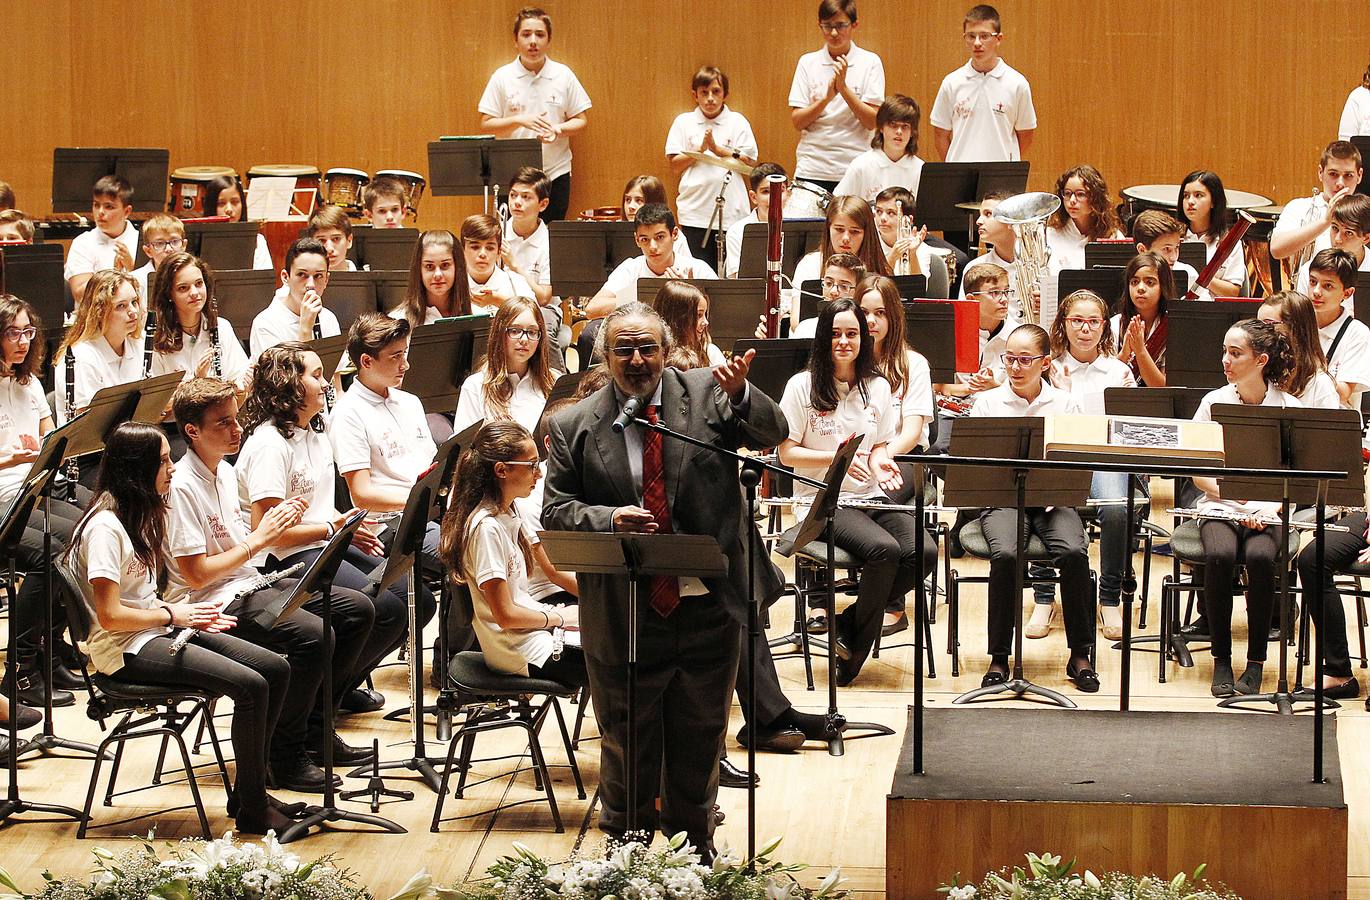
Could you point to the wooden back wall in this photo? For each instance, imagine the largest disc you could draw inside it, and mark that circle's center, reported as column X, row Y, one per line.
column 1144, row 92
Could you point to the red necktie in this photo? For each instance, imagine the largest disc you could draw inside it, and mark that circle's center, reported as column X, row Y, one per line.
column 665, row 592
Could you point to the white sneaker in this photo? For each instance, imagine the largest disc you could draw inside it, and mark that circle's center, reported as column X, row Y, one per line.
column 1039, row 626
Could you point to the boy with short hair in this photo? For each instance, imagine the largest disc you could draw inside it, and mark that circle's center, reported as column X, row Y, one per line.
column 330, row 226
column 383, row 202
column 714, row 129
column 526, row 250
column 759, row 193
column 1349, row 231
column 986, row 283
column 842, row 272
column 1345, row 339
column 890, row 203
column 833, row 98
column 983, row 110
column 537, row 97
column 163, row 235
column 294, row 313
column 15, row 227
column 654, row 230
column 1001, row 240
column 112, row 243
column 893, row 158
column 1157, row 231
column 1304, row 225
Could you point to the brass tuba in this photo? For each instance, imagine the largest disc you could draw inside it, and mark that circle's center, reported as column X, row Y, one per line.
column 1027, row 214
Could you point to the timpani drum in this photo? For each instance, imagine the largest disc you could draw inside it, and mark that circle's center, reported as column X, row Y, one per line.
column 602, row 214
column 190, row 187
column 413, row 188
column 305, row 177
column 1165, row 197
column 343, row 188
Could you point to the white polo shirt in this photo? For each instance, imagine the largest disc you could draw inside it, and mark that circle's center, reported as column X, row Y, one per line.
column 623, row 280
column 145, row 275
column 827, row 147
column 93, row 251
column 984, row 111
column 732, row 243
column 277, row 324
column 1233, row 268
column 97, row 366
column 233, row 362
column 23, row 407
column 532, row 254
column 204, row 517
column 554, row 92
column 995, row 342
column 271, row 466
column 873, row 171
column 530, row 510
column 1228, row 394
column 993, row 257
column 1301, row 280
column 388, row 435
column 1001, row 401
column 932, row 263
column 525, row 404
column 105, row 551
column 872, row 416
column 1086, row 382
column 1304, row 211
column 915, row 398
column 1355, row 115
column 491, row 551
column 1067, row 247
column 700, row 183
column 1351, row 362
column 1320, row 393
column 502, row 282
column 261, row 255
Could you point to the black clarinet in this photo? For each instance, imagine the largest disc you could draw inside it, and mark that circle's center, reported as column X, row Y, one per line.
column 214, row 348
column 328, row 395
column 148, row 331
column 73, row 465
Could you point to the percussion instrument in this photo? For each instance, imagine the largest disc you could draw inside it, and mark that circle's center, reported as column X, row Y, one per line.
column 343, row 188
column 1165, row 196
column 306, row 177
column 190, row 186
column 602, row 214
column 413, row 188
column 722, row 162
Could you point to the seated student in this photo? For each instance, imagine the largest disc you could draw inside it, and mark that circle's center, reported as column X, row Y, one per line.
column 715, row 129
column 1344, row 338
column 1001, row 240
column 1157, row 231
column 330, row 226
column 842, row 393
column 431, row 293
column 6, row 196
column 383, row 202
column 1303, row 226
column 224, row 197
column 641, row 190
column 912, row 253
column 1026, row 393
column 211, row 549
column 1349, row 231
column 849, row 222
column 893, row 159
column 655, row 233
column 1141, row 322
column 112, row 243
column 163, row 235
column 759, row 193
column 297, row 312
column 494, row 550
column 117, row 558
column 1086, row 214
column 286, row 455
column 15, row 227
column 1255, row 359
column 1203, row 207
column 685, row 310
column 482, row 286
column 514, row 378
column 1294, row 315
column 1342, row 548
column 184, row 303
column 104, row 342
column 526, row 251
column 987, row 284
column 840, row 278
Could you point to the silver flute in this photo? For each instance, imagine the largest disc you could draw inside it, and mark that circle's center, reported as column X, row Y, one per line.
column 1275, row 521
column 258, row 583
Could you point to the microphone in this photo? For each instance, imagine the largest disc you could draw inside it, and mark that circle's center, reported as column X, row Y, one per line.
column 628, row 414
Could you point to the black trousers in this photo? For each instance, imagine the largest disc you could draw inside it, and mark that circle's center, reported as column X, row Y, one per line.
column 686, row 666
column 1340, row 549
column 569, row 669
column 703, row 243
column 1225, row 545
column 559, row 199
column 254, row 678
column 1064, row 536
column 33, row 594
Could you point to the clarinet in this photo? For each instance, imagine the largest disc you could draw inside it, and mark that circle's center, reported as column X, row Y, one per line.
column 73, row 465
column 328, row 395
column 148, row 331
column 214, row 348
column 255, row 584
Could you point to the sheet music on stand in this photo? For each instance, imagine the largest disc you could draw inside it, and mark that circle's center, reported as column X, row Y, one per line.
column 275, row 198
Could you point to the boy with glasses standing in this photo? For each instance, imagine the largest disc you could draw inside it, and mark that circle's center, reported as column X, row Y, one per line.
column 983, row 110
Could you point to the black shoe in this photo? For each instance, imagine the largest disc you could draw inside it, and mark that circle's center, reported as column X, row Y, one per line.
column 844, row 676
column 898, row 625
column 1197, row 630
column 344, row 754
column 299, row 775
column 993, row 677
column 719, row 818
column 784, row 739
column 293, row 810
column 954, row 548
column 31, row 690
column 1085, row 678
column 362, row 700
column 1224, row 682
column 1348, row 690
column 816, row 624
column 26, row 716
column 730, row 776
column 814, row 725
column 65, row 679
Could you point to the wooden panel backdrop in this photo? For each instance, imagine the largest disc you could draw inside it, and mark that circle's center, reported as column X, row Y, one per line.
column 1143, row 92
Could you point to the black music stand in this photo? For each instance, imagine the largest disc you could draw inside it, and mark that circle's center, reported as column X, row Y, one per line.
column 1194, row 359
column 582, row 254
column 140, row 401
column 942, row 185
column 566, row 386
column 734, row 303
column 1362, row 142
column 11, row 531
column 478, row 165
column 1360, row 301
column 1011, row 438
column 34, row 272
column 440, row 357
column 1120, row 253
column 349, row 295
column 1272, row 437
column 384, row 249
column 799, row 238
column 930, row 328
column 76, row 169
column 636, row 556
column 391, row 287
column 241, row 294
column 224, row 245
column 318, row 579
column 776, row 361
column 911, row 287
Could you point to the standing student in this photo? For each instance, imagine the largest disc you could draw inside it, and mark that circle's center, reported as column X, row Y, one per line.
column 112, row 243
column 685, row 310
column 655, row 233
column 1157, row 231
column 1294, row 315
column 514, row 378
column 105, row 341
column 759, row 193
column 1255, row 359
column 983, row 110
column 191, row 336
column 537, row 97
column 117, row 559
column 1355, row 115
column 1345, row 339
column 1086, row 214
column 1026, row 393
column 1141, row 322
column 1203, row 207
column 893, row 159
column 1349, row 231
column 330, row 226
column 224, row 197
column 482, row 285
column 295, row 311
column 717, row 130
column 1302, row 228
column 383, row 202
column 162, row 235
column 834, row 97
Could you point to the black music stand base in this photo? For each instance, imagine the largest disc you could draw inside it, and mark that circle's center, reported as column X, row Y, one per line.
column 422, row 766
column 1019, row 686
column 375, row 787
column 1279, row 702
column 837, row 731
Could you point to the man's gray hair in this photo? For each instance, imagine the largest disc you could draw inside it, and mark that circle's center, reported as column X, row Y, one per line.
column 632, row 310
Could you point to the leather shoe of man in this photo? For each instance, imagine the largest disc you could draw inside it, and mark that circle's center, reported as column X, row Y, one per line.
column 782, row 739
column 344, row 754
column 730, row 776
column 64, row 679
column 362, row 700
column 299, row 775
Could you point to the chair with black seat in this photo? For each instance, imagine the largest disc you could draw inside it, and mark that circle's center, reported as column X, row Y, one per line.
column 145, row 711
column 493, row 700
column 1350, row 580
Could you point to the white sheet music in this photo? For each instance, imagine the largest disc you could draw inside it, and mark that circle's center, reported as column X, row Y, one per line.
column 1050, row 300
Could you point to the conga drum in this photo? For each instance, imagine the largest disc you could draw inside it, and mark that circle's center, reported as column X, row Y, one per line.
column 413, row 188
column 189, row 188
column 343, row 188
column 305, row 177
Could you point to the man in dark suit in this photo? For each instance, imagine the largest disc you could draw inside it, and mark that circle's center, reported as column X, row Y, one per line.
column 688, row 629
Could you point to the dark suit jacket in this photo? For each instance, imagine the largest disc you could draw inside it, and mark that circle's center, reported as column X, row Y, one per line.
column 588, row 477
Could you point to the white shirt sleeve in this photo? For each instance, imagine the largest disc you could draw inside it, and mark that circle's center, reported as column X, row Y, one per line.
column 577, row 100
column 261, row 256
column 1027, row 113
column 799, row 87
column 492, row 101
column 490, row 551
column 264, row 472
column 794, row 403
column 875, row 85
column 470, row 402
column 185, row 530
column 107, row 550
column 80, row 256
column 918, row 391
column 675, row 137
column 623, row 275
column 347, row 434
column 940, row 117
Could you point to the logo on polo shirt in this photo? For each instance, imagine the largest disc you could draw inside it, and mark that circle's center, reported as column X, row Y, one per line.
column 1000, row 109
column 963, row 109
column 301, row 484
column 823, row 423
column 136, row 569
column 217, row 529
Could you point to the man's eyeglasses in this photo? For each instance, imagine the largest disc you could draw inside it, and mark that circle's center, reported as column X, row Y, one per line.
column 647, row 351
column 841, row 288
column 993, row 295
column 172, row 244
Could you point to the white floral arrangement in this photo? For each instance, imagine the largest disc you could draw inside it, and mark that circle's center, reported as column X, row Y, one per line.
column 1047, row 878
